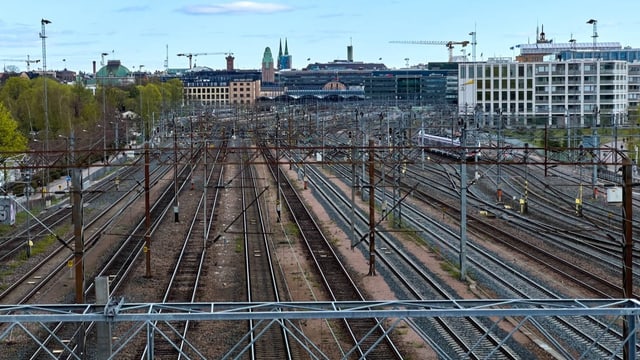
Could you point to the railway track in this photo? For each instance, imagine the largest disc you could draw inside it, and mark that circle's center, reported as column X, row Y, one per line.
column 465, row 337
column 544, row 250
column 264, row 341
column 368, row 337
column 49, row 267
column 451, row 203
column 13, row 244
column 582, row 332
column 68, row 340
column 597, row 225
column 170, row 339
column 552, row 201
column 132, row 244
column 593, row 335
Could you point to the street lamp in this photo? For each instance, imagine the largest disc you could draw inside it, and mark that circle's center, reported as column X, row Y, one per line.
column 43, row 36
column 104, row 111
column 142, row 126
column 594, row 23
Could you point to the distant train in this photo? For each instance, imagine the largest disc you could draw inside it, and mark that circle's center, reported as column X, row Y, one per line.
column 446, row 146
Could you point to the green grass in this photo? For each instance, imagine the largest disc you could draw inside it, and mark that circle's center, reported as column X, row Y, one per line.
column 450, row 269
column 292, row 229
column 38, row 247
column 455, row 271
column 9, row 269
column 42, row 245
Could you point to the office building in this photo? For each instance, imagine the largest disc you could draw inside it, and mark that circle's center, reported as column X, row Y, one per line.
column 552, row 92
column 204, row 86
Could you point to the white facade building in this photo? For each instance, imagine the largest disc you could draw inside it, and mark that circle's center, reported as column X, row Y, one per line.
column 634, row 85
column 577, row 92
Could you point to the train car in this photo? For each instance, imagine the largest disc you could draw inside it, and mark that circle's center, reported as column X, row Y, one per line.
column 446, row 146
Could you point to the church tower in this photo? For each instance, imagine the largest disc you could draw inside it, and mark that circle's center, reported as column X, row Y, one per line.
column 284, row 60
column 279, row 54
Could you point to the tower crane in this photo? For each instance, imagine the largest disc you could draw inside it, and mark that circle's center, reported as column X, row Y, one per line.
column 449, row 44
column 28, row 61
column 190, row 56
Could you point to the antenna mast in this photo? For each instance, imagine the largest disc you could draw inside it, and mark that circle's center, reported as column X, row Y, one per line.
column 473, row 44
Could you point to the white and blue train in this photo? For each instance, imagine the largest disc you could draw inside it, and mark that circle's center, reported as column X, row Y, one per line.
column 446, row 146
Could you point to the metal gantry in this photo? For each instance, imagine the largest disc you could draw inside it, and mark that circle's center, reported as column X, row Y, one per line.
column 141, row 317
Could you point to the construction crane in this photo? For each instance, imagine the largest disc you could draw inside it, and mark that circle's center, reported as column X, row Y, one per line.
column 191, row 55
column 448, row 44
column 28, row 61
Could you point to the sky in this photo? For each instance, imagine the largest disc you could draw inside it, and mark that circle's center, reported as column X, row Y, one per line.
column 148, row 32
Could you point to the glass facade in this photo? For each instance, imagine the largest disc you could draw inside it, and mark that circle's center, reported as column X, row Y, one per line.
column 419, row 86
column 629, row 55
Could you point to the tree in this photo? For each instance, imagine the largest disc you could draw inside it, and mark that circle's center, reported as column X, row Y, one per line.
column 12, row 94
column 11, row 140
column 151, row 105
column 69, row 106
column 79, row 108
column 173, row 92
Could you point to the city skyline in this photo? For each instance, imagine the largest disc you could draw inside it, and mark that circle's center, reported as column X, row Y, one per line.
column 144, row 32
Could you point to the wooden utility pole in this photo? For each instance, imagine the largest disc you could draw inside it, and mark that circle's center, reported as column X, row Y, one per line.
column 78, row 224
column 147, row 206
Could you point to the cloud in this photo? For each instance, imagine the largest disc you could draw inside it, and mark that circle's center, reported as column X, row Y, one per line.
column 236, row 7
column 17, row 36
column 133, row 9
